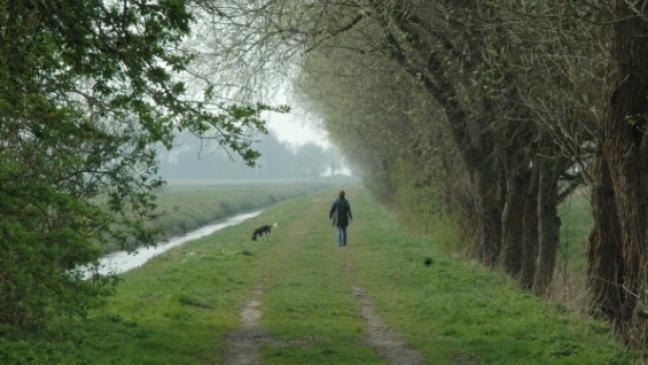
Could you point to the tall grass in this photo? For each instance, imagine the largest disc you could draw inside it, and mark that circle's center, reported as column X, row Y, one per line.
column 418, row 209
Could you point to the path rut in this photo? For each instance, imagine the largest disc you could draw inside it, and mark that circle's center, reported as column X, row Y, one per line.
column 243, row 346
column 380, row 337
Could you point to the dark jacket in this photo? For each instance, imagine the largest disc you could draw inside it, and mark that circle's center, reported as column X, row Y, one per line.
column 341, row 212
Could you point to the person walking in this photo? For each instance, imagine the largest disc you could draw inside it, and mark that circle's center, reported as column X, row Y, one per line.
column 341, row 214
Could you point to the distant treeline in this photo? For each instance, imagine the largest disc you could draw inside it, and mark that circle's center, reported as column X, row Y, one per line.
column 196, row 159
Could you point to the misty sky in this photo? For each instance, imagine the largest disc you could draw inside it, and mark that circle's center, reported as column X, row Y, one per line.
column 297, row 127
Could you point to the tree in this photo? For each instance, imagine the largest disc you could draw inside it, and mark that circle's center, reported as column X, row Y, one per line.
column 618, row 273
column 88, row 89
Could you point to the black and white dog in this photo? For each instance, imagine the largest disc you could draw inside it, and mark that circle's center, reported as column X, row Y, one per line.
column 262, row 231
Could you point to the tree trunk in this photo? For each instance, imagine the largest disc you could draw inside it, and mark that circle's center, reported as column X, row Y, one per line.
column 625, row 148
column 530, row 232
column 548, row 226
column 477, row 155
column 605, row 254
column 512, row 221
column 490, row 216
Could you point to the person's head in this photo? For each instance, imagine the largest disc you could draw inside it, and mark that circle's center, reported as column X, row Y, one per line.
column 341, row 194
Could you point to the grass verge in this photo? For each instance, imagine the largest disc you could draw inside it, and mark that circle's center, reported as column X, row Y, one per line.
column 183, row 208
column 456, row 312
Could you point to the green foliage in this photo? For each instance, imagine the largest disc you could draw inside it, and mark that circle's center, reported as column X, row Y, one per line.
column 87, row 89
column 418, row 203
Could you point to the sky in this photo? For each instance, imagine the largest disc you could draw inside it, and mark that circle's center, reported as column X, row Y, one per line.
column 297, row 127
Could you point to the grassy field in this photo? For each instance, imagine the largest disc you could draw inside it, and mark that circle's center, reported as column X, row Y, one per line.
column 181, row 306
column 183, row 208
column 187, row 207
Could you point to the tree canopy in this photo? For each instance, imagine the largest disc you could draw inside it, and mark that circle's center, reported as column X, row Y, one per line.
column 88, row 90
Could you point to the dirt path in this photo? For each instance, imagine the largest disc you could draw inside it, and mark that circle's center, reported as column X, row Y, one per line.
column 383, row 340
column 243, row 348
column 244, row 345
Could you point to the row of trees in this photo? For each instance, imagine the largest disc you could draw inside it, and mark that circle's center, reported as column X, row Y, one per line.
column 498, row 108
column 194, row 159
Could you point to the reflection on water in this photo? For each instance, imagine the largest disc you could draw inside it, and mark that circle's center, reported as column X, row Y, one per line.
column 122, row 261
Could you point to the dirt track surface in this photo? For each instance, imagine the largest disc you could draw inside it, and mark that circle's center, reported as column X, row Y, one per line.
column 244, row 345
column 388, row 345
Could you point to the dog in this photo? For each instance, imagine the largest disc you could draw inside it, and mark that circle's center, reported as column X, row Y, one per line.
column 262, row 231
